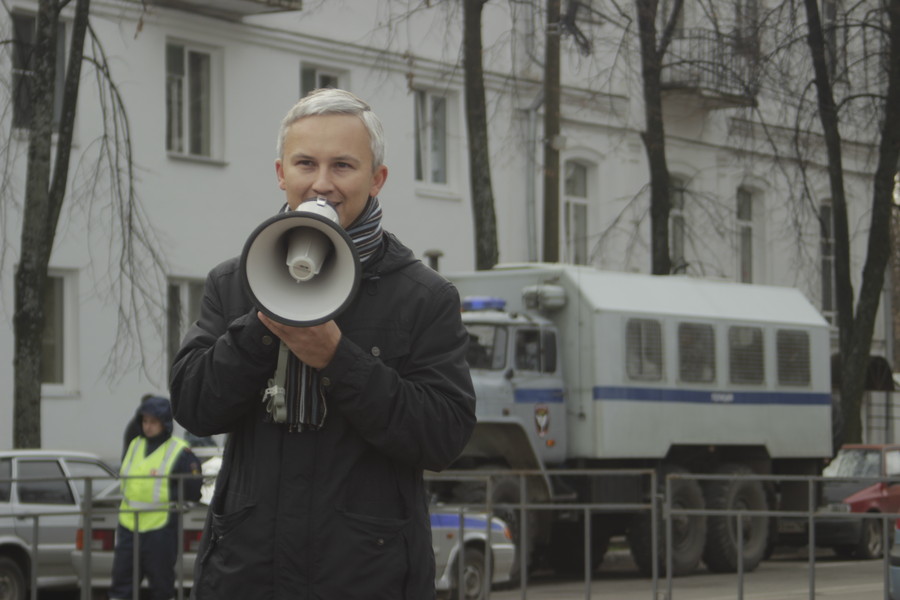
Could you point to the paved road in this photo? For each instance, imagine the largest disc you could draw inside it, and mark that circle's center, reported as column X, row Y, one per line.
column 785, row 577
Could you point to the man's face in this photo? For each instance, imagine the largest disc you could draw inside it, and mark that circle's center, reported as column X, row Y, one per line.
column 329, row 156
column 151, row 425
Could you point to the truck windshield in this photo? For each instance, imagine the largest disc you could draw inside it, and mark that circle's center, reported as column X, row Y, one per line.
column 487, row 347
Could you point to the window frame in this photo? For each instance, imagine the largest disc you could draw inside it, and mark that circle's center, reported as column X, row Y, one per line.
column 826, row 260
column 741, row 356
column 576, row 215
column 184, row 296
column 214, row 115
column 68, row 345
column 745, row 201
column 423, row 162
column 19, row 72
column 641, row 357
column 782, row 361
column 678, row 191
column 311, row 70
column 706, row 352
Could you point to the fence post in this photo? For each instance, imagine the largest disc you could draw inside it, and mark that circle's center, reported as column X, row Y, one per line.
column 87, row 535
column 811, row 525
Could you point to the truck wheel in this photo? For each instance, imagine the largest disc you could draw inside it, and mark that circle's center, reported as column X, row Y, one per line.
column 721, row 552
column 505, row 490
column 566, row 552
column 688, row 531
column 474, row 575
column 12, row 580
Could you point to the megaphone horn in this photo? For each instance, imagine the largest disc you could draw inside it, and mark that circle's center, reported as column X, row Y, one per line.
column 300, row 267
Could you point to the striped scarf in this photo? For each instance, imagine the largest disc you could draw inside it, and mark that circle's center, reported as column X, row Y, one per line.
column 366, row 231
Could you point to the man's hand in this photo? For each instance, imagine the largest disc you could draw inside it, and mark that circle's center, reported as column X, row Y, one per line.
column 314, row 346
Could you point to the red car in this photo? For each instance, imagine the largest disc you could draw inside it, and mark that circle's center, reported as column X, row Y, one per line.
column 854, row 490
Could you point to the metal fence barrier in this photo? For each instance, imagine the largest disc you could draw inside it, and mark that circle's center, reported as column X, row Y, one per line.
column 659, row 506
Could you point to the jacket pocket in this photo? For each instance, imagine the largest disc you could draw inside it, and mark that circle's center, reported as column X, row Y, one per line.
column 385, row 340
column 222, row 568
column 372, row 559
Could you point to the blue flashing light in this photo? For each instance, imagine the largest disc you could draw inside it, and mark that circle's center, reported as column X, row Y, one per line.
column 483, row 303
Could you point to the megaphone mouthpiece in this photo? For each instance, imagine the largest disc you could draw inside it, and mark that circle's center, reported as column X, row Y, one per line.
column 306, row 253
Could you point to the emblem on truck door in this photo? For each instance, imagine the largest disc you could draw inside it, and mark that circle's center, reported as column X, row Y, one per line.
column 541, row 419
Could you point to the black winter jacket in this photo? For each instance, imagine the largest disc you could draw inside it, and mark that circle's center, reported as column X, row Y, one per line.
column 339, row 513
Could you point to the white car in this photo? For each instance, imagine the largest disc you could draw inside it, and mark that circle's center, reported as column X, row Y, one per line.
column 42, row 490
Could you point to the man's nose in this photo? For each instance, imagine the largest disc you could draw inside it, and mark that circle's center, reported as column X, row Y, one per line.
column 322, row 183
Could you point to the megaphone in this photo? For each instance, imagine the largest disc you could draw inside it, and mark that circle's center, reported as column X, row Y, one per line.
column 300, row 267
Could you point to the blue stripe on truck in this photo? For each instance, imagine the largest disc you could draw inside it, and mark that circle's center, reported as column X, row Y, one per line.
column 638, row 394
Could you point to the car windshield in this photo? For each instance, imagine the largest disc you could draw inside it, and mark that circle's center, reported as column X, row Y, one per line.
column 856, row 462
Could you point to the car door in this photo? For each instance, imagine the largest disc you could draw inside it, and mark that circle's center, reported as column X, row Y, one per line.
column 892, row 470
column 42, row 492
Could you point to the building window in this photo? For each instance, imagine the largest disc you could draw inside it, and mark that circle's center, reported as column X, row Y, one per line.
column 431, row 137
column 23, row 70
column 745, row 234
column 745, row 355
column 826, row 251
column 575, row 209
column 677, row 224
column 643, row 349
column 190, row 80
column 835, row 42
column 185, row 297
column 696, row 352
column 746, row 25
column 59, row 344
column 792, row 356
column 313, row 78
column 53, row 344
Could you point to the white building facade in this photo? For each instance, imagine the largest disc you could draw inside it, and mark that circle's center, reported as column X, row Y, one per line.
column 205, row 96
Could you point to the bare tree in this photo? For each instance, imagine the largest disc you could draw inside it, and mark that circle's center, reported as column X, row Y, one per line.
column 653, row 49
column 47, row 189
column 486, row 251
column 856, row 328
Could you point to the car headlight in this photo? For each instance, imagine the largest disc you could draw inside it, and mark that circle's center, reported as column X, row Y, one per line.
column 836, row 507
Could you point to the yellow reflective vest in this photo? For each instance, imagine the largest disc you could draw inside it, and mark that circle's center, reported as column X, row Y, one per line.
column 149, row 496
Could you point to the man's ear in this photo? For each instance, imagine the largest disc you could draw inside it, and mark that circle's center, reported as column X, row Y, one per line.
column 279, row 173
column 378, row 179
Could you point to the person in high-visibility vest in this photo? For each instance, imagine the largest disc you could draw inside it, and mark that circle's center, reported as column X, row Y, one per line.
column 148, row 492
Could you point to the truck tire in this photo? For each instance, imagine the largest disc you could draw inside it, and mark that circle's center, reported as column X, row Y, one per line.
column 505, row 490
column 12, row 580
column 688, row 531
column 566, row 552
column 721, row 552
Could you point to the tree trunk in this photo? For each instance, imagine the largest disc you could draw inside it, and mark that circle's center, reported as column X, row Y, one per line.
column 44, row 193
column 654, row 137
column 486, row 252
column 856, row 331
column 551, row 134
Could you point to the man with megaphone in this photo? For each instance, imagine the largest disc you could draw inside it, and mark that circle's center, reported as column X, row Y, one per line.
column 321, row 491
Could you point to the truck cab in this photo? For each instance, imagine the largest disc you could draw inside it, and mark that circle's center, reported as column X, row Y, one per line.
column 514, row 361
